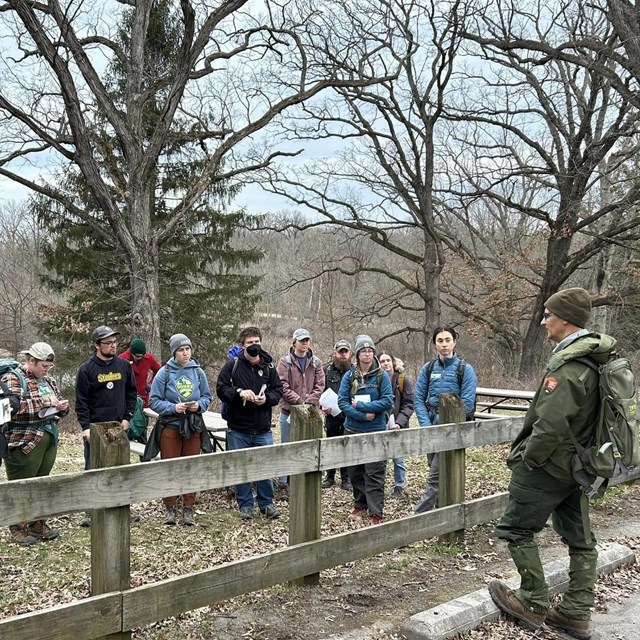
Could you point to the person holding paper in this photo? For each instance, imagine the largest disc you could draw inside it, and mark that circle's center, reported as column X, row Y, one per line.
column 366, row 398
column 334, row 423
column 250, row 393
column 32, row 433
column 402, row 412
column 179, row 389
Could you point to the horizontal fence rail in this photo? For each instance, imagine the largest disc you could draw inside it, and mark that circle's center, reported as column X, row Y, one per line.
column 27, row 500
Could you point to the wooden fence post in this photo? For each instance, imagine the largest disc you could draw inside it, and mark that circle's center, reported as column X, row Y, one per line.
column 452, row 464
column 305, row 495
column 110, row 536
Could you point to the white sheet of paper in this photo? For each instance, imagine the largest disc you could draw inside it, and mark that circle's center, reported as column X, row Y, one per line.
column 365, row 397
column 391, row 423
column 5, row 410
column 329, row 400
column 49, row 411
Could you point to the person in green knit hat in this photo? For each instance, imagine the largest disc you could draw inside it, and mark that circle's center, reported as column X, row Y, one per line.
column 564, row 408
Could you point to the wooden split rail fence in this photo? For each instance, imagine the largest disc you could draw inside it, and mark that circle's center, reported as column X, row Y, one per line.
column 114, row 609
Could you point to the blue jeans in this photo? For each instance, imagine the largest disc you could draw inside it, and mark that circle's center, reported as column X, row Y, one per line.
column 285, row 436
column 244, row 493
column 399, row 472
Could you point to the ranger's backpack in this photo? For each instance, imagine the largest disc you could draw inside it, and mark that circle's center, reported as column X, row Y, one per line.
column 614, row 444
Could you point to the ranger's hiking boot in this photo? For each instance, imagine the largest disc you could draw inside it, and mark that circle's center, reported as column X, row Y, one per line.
column 21, row 536
column 506, row 601
column 40, row 530
column 576, row 628
column 188, row 519
column 170, row 516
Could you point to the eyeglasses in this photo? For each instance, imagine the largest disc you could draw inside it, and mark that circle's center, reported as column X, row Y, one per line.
column 547, row 315
column 108, row 343
column 367, row 351
column 46, row 364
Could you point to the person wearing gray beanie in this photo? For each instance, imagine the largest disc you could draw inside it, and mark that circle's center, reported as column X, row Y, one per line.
column 178, row 340
column 572, row 305
column 364, row 341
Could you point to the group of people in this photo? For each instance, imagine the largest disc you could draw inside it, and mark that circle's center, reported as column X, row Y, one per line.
column 373, row 394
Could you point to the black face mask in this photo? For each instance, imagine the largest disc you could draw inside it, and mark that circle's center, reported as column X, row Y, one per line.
column 254, row 350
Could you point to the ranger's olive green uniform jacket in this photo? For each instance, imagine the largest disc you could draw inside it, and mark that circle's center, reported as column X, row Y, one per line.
column 567, row 401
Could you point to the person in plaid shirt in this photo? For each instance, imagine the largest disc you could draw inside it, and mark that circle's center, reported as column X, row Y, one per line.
column 32, row 433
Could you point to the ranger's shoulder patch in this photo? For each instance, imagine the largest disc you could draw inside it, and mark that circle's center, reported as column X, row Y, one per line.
column 550, row 384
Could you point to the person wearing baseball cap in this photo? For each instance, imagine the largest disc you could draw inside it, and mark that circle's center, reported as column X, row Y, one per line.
column 302, row 379
column 105, row 389
column 144, row 366
column 32, row 432
column 334, row 425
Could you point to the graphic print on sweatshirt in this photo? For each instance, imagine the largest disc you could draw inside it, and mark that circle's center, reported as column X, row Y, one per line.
column 184, row 387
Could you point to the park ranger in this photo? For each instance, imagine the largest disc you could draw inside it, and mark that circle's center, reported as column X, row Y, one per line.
column 567, row 402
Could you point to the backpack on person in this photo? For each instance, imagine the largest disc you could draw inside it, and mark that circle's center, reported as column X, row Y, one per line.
column 462, row 363
column 9, row 365
column 224, row 407
column 613, row 447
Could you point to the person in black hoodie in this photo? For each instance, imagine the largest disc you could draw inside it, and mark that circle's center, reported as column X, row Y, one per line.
column 250, row 387
column 105, row 390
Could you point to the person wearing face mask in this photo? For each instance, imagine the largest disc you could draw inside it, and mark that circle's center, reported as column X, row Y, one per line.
column 447, row 373
column 180, row 392
column 401, row 414
column 250, row 387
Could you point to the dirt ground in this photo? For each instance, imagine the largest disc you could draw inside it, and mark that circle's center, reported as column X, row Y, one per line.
column 370, row 599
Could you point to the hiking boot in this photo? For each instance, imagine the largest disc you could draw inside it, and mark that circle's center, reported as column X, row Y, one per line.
column 21, row 536
column 576, row 628
column 398, row 492
column 375, row 519
column 246, row 513
column 86, row 521
column 187, row 517
column 346, row 485
column 41, row 531
column 170, row 516
column 270, row 512
column 328, row 482
column 283, row 492
column 506, row 600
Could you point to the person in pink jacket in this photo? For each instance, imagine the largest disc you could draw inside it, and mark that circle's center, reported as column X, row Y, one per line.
column 302, row 379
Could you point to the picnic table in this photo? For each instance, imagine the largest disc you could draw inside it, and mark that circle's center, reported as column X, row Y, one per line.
column 501, row 400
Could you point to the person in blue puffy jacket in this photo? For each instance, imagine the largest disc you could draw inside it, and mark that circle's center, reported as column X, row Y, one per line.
column 180, row 387
column 366, row 399
column 445, row 374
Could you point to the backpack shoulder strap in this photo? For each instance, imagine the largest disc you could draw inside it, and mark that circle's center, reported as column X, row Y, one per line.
column 400, row 381
column 462, row 363
column 233, row 369
column 430, row 368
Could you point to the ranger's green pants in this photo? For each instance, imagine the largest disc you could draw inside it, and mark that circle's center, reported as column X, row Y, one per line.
column 534, row 495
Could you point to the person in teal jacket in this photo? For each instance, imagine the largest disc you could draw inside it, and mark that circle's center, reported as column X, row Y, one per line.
column 179, row 388
column 366, row 399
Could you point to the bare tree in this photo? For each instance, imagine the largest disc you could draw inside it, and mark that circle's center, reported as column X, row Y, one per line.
column 380, row 185
column 235, row 73
column 556, row 125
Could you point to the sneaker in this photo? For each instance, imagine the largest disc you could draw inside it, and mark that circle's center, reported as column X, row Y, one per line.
column 187, row 517
column 21, row 536
column 41, row 531
column 506, row 600
column 327, row 482
column 270, row 512
column 358, row 512
column 86, row 521
column 246, row 513
column 170, row 516
column 398, row 492
column 576, row 628
column 346, row 485
column 375, row 519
